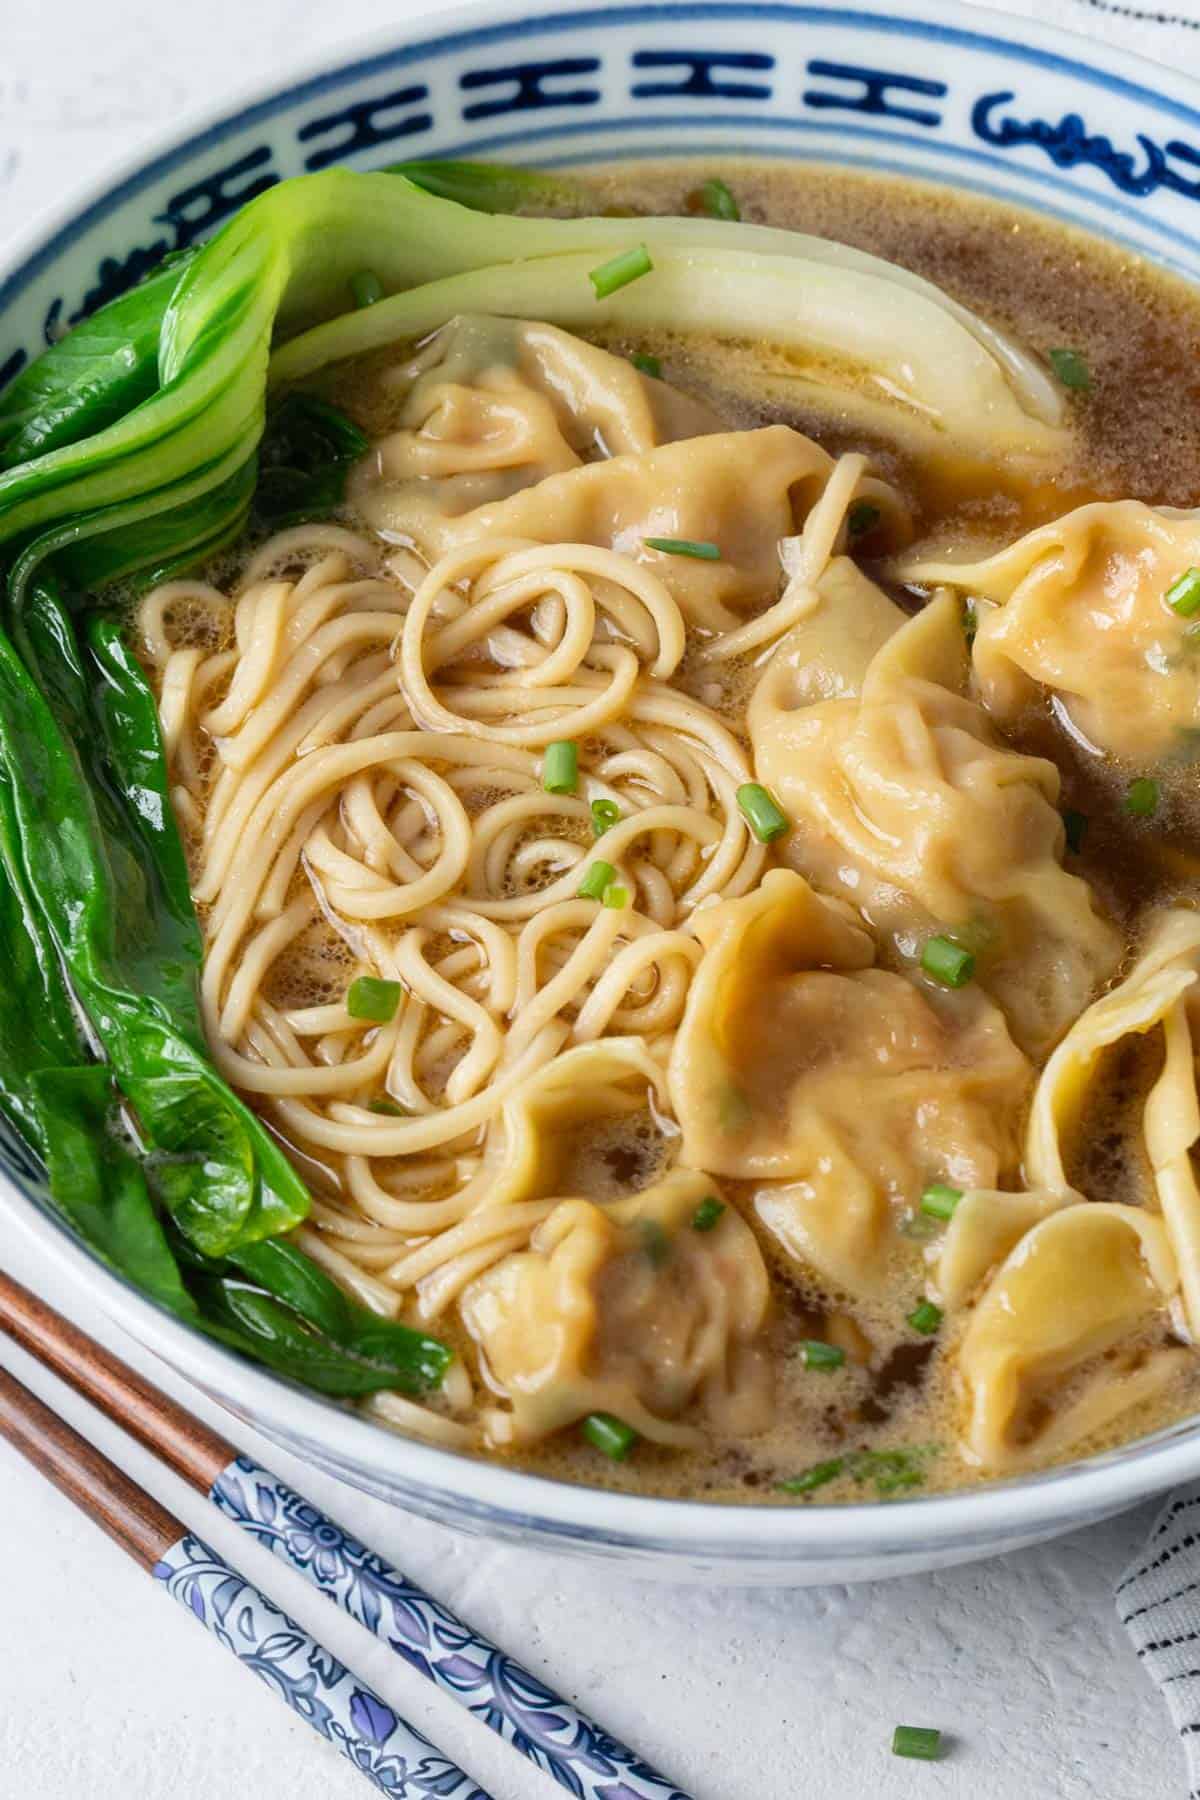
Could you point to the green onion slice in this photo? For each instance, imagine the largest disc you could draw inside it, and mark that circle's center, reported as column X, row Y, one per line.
column 920, row 1741
column 1183, row 596
column 703, row 552
column 615, row 897
column 366, row 288
column 388, row 1107
column 816, row 1355
column 1141, row 798
column 647, row 364
column 925, row 1318
column 612, row 1437
column 620, row 270
column 560, row 767
column 947, row 962
column 718, row 201
column 371, row 998
column 707, row 1213
column 599, row 876
column 813, row 1478
column 863, row 516
column 1071, row 370
column 605, row 814
column 940, row 1199
column 760, row 811
column 1075, row 825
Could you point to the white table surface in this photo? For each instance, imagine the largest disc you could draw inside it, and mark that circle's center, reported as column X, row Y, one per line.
column 106, row 1690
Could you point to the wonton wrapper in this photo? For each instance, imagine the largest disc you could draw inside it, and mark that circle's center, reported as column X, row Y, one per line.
column 491, row 406
column 529, row 1145
column 839, row 1087
column 985, row 1226
column 598, row 1316
column 1082, row 612
column 1160, row 992
column 905, row 804
column 1087, row 1278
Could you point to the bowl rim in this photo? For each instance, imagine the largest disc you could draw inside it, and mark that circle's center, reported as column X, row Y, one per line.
column 464, row 1486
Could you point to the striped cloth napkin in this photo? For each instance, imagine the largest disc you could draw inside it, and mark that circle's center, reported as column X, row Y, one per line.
column 1158, row 1597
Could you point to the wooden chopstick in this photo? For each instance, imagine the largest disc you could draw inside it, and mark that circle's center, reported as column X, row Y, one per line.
column 173, row 1434
column 130, row 1516
column 314, row 1684
column 518, row 1705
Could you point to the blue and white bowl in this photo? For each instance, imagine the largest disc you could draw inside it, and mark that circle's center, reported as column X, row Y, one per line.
column 926, row 88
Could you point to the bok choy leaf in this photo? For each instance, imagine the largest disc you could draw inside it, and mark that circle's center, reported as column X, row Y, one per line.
column 109, row 885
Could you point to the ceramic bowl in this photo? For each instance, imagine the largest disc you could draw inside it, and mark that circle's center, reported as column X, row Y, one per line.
column 925, row 88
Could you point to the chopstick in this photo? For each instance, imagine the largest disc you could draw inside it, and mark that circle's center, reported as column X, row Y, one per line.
column 518, row 1705
column 317, row 1687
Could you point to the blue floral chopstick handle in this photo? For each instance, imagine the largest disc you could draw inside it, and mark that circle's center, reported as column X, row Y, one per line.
column 392, row 1755
column 546, row 1729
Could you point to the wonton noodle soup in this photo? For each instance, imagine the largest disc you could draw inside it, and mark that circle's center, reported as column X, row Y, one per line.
column 628, row 835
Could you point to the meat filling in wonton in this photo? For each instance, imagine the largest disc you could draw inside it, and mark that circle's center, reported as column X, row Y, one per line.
column 628, row 1309
column 839, row 1089
column 905, row 803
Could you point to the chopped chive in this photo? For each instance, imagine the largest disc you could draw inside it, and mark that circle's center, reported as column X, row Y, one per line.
column 612, row 1437
column 718, row 201
column 605, row 814
column 863, row 516
column 707, row 1213
column 560, row 767
column 599, row 876
column 366, row 288
column 389, row 1107
column 370, row 998
column 970, row 621
column 816, row 1355
column 615, row 897
column 1183, row 596
column 947, row 962
column 816, row 1477
column 1071, row 370
column 925, row 1318
column 704, row 552
column 655, row 1241
column 920, row 1741
column 891, row 1471
column 620, row 270
column 647, row 364
column 940, row 1199
column 1075, row 824
column 1141, row 798
column 733, row 1109
column 765, row 819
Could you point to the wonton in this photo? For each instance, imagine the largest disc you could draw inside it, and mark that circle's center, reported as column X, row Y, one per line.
column 905, row 803
column 839, row 1088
